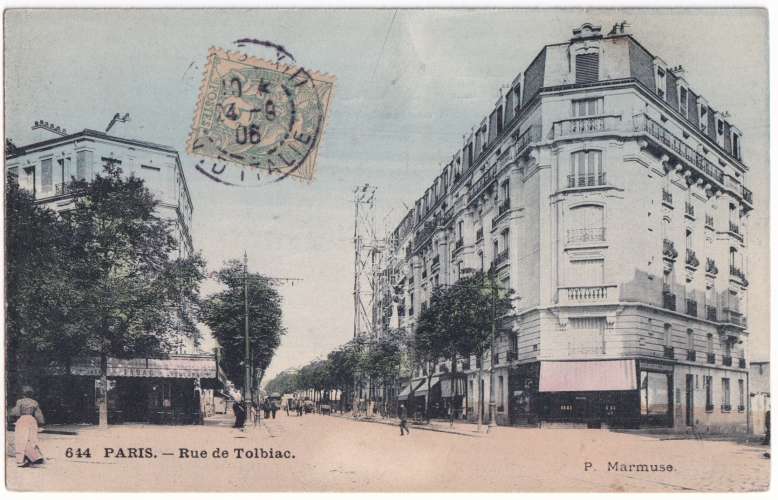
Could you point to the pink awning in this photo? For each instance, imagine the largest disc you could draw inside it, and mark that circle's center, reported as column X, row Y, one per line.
column 606, row 375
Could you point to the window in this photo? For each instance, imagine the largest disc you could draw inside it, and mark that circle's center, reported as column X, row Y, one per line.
column 13, row 172
column 587, row 107
column 515, row 342
column 589, row 272
column 668, row 335
column 460, row 227
column 736, row 146
column 495, row 249
column 517, row 98
column 587, row 336
column 720, row 132
column 725, row 394
column 468, row 155
column 689, row 239
column 661, row 81
column 703, row 118
column 741, row 395
column 708, row 381
column 586, row 223
column 28, row 180
column 46, row 176
column 505, row 189
column 84, row 165
column 500, row 391
column 506, row 239
column 481, row 258
column 690, row 339
column 586, row 169
column 732, row 257
column 683, row 101
column 709, row 344
column 654, row 393
column 587, row 68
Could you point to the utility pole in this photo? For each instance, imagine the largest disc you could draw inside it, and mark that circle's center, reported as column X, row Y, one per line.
column 247, row 361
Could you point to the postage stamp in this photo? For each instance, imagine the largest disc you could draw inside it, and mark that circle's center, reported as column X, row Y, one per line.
column 266, row 118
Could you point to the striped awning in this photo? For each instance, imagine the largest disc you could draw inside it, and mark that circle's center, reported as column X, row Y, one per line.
column 579, row 376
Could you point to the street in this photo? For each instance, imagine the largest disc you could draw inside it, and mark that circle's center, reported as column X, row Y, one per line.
column 331, row 453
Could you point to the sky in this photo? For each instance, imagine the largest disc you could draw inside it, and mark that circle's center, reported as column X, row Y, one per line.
column 409, row 84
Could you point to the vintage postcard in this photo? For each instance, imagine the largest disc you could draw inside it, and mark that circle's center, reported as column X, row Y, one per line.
column 386, row 250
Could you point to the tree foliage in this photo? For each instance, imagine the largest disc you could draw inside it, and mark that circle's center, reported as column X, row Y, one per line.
column 224, row 313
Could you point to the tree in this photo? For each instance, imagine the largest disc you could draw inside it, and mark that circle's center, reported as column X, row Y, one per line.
column 42, row 317
column 459, row 322
column 135, row 299
column 224, row 313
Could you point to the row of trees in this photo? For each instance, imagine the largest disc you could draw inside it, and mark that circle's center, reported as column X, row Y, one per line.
column 102, row 279
column 460, row 320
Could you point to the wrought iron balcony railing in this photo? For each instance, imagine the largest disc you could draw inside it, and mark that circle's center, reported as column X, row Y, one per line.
column 711, row 358
column 691, row 307
column 668, row 300
column 586, row 235
column 504, row 206
column 479, row 234
column 667, row 197
column 580, row 181
column 501, row 258
column 689, row 209
column 734, row 228
column 691, row 259
column 710, row 313
column 679, row 147
column 691, row 355
column 669, row 352
column 709, row 220
column 726, row 360
column 738, row 273
column 668, row 250
column 741, row 363
column 436, row 261
column 710, row 266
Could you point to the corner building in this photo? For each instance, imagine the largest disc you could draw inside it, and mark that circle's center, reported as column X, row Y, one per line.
column 612, row 199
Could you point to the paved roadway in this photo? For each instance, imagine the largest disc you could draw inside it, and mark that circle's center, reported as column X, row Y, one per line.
column 334, row 453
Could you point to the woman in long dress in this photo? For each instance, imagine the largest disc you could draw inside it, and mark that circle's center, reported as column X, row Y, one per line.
column 26, row 434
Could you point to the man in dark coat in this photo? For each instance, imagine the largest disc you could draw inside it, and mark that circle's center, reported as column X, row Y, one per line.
column 404, row 420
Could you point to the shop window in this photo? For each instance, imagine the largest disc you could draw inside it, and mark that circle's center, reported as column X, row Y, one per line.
column 654, row 393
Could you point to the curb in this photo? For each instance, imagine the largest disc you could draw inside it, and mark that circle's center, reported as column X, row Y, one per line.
column 414, row 426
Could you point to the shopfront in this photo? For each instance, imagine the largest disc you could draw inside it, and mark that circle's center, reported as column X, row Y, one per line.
column 590, row 393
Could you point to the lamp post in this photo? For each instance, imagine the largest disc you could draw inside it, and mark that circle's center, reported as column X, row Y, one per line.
column 247, row 359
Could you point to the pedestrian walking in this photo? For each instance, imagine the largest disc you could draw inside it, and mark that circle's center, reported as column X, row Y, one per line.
column 240, row 414
column 274, row 407
column 26, row 430
column 266, row 408
column 404, row 420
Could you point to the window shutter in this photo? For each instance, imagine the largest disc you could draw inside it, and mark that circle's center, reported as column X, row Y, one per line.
column 587, row 68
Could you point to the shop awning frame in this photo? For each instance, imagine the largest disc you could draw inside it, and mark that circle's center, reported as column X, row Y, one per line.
column 588, row 376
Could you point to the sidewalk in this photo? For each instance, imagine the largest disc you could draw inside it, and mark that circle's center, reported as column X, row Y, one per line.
column 460, row 428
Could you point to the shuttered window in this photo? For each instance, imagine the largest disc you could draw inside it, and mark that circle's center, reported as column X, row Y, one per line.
column 46, row 175
column 587, row 68
column 83, row 164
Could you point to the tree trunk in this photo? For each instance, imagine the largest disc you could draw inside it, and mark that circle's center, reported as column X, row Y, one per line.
column 429, row 393
column 103, row 402
column 453, row 390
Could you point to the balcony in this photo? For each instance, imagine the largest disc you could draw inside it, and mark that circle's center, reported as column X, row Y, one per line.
column 436, row 261
column 689, row 210
column 691, row 355
column 485, row 181
column 667, row 198
column 738, row 275
column 532, row 134
column 504, row 207
column 710, row 313
column 425, row 233
column 711, row 358
column 726, row 360
column 725, row 407
column 741, row 363
column 734, row 318
column 668, row 300
column 748, row 196
column 708, row 407
column 585, row 295
column 586, row 235
column 479, row 234
column 734, row 229
column 512, row 355
column 701, row 165
column 669, row 352
column 691, row 307
column 709, row 221
column 501, row 259
column 668, row 250
column 691, row 259
column 710, row 267
column 582, row 181
column 460, row 243
column 586, row 126
column 64, row 188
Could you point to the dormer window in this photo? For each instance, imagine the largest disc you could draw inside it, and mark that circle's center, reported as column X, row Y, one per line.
column 661, row 82
column 736, row 145
column 683, row 101
column 703, row 118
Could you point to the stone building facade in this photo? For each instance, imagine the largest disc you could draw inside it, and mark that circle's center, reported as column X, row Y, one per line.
column 611, row 198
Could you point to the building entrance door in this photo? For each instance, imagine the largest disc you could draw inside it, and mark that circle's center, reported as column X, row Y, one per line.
column 580, row 408
column 690, row 400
